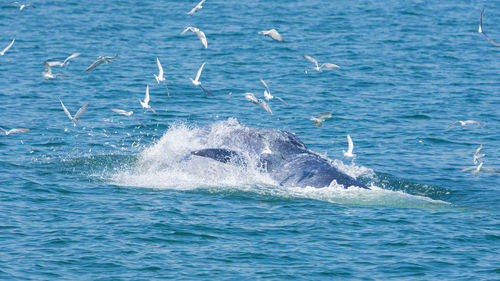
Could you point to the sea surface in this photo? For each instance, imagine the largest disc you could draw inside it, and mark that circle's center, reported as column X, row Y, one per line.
column 103, row 200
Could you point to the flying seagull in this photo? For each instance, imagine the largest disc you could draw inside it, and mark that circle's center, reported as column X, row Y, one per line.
column 273, row 34
column 325, row 65
column 466, row 122
column 199, row 33
column 348, row 153
column 197, row 82
column 145, row 103
column 47, row 74
column 478, row 155
column 100, row 60
column 160, row 77
column 78, row 113
column 65, row 62
column 479, row 168
column 267, row 93
column 123, row 112
column 251, row 98
column 8, row 47
column 199, row 6
column 318, row 121
column 267, row 148
column 15, row 130
column 22, row 6
column 480, row 30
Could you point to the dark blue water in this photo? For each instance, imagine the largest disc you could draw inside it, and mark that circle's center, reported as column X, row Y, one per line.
column 108, row 200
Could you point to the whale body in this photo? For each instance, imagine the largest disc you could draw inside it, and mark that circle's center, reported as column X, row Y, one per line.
column 292, row 164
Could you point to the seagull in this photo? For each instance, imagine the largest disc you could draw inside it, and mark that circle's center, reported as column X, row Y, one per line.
column 15, row 130
column 348, row 153
column 145, row 103
column 199, row 33
column 478, row 154
column 199, row 6
column 65, row 62
column 480, row 30
column 100, row 60
column 267, row 148
column 7, row 48
column 160, row 77
column 78, row 113
column 197, row 82
column 47, row 74
column 479, row 168
column 22, row 6
column 318, row 121
column 273, row 34
column 466, row 122
column 319, row 68
column 123, row 112
column 267, row 93
column 251, row 98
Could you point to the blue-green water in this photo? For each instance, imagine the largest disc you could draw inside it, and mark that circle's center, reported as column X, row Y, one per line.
column 105, row 201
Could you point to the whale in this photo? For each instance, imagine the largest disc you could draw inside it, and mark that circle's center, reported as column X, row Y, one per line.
column 286, row 158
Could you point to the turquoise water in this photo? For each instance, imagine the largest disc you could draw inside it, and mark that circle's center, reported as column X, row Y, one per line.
column 107, row 200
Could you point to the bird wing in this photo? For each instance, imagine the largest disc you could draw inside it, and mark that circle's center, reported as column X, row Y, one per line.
column 328, row 65
column 19, row 130
column 71, row 57
column 452, row 124
column 3, row 130
column 468, row 169
column 52, row 63
column 8, row 47
column 481, row 30
column 206, row 91
column 202, row 37
column 265, row 85
column 47, row 68
column 474, row 122
column 197, row 78
column 281, row 100
column 251, row 97
column 16, row 3
column 311, row 59
column 187, row 28
column 265, row 106
column 160, row 68
column 123, row 112
column 66, row 110
column 324, row 115
column 275, row 35
column 146, row 97
column 110, row 58
column 490, row 170
column 350, row 144
column 98, row 62
column 81, row 111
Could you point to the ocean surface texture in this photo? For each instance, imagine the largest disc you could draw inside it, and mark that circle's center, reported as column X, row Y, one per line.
column 115, row 198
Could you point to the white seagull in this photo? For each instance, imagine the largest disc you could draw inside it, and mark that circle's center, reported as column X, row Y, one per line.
column 197, row 82
column 7, row 48
column 15, row 130
column 22, row 6
column 47, row 74
column 145, row 103
column 100, row 60
column 160, row 77
column 251, row 98
column 267, row 148
column 479, row 168
column 199, row 33
column 318, row 121
column 325, row 65
column 348, row 153
column 273, row 34
column 466, row 122
column 478, row 155
column 267, row 93
column 65, row 62
column 78, row 113
column 199, row 6
column 480, row 30
column 123, row 112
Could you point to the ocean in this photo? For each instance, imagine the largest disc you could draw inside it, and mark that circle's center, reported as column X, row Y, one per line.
column 111, row 198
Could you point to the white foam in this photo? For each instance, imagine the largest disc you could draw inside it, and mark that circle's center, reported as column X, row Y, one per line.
column 167, row 164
